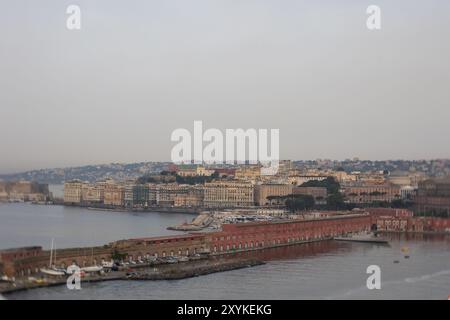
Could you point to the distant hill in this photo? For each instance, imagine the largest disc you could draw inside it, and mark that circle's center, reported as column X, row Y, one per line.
column 123, row 171
column 91, row 173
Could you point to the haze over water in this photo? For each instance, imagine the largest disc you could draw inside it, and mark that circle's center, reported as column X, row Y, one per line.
column 322, row 270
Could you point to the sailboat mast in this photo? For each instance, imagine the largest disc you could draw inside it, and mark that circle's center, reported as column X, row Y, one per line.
column 51, row 254
column 54, row 257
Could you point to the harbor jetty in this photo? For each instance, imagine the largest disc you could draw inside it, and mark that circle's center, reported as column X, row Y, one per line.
column 151, row 271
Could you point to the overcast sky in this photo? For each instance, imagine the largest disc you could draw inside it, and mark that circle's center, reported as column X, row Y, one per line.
column 116, row 89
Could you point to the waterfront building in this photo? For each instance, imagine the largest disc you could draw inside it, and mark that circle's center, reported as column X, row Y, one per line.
column 90, row 193
column 114, row 194
column 264, row 192
column 100, row 186
column 136, row 195
column 166, row 193
column 36, row 197
column 187, row 200
column 73, row 191
column 152, row 193
column 193, row 198
column 14, row 196
column 228, row 194
column 140, row 195
column 22, row 187
column 128, row 195
column 23, row 191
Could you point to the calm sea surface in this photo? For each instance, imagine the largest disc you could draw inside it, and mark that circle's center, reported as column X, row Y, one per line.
column 23, row 224
column 322, row 270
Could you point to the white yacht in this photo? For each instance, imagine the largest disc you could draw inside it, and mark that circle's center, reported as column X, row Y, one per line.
column 52, row 271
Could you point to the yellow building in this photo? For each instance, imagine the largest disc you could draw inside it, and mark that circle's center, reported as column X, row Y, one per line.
column 194, row 198
column 166, row 193
column 114, row 194
column 91, row 193
column 248, row 172
column 228, row 194
column 202, row 171
column 194, row 170
column 263, row 191
column 368, row 193
column 300, row 179
column 342, row 176
column 72, row 192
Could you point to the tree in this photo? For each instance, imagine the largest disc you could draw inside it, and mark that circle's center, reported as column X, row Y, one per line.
column 117, row 256
column 335, row 201
column 300, row 202
column 330, row 183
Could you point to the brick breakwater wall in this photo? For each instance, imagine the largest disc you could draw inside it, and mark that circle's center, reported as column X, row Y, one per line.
column 232, row 238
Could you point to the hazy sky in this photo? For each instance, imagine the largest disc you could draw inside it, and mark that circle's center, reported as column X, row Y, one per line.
column 116, row 89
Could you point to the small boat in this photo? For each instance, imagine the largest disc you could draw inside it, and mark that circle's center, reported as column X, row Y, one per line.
column 171, row 260
column 396, row 261
column 5, row 278
column 106, row 264
column 52, row 272
column 362, row 237
column 183, row 259
column 92, row 269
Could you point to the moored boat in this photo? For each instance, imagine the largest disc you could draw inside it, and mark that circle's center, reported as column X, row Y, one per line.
column 363, row 237
column 92, row 269
column 52, row 272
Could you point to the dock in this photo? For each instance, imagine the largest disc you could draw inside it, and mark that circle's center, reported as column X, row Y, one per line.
column 367, row 238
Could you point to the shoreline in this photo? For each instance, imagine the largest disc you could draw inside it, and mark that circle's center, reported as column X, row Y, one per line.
column 178, row 271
